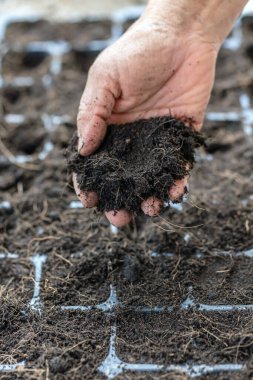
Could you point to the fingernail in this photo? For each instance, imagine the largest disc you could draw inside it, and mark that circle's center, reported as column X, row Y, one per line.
column 80, row 144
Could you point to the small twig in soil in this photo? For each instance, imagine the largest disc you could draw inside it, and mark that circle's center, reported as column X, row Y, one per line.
column 63, row 258
column 213, row 335
column 176, row 225
column 3, row 288
column 45, row 209
column 41, row 239
column 192, row 203
column 174, row 271
column 72, row 347
column 47, row 370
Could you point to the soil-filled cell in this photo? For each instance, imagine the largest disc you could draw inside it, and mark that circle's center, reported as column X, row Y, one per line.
column 222, row 136
column 77, row 33
column 25, row 99
column 32, row 64
column 80, row 267
column 64, row 96
column 172, row 278
column 209, row 225
column 81, row 272
column 76, row 282
column 29, row 31
column 61, row 133
column 26, row 138
column 233, row 72
column 227, row 229
column 27, row 173
column 16, row 281
column 61, row 345
column 224, row 99
column 232, row 67
column 225, row 280
column 79, row 60
column 184, row 337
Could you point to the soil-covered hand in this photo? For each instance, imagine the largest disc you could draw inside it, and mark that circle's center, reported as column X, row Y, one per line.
column 154, row 69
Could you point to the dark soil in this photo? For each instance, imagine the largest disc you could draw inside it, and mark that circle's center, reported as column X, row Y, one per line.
column 136, row 161
column 23, row 99
column 152, row 262
column 25, row 63
column 59, row 347
column 77, row 33
column 25, row 138
column 135, row 344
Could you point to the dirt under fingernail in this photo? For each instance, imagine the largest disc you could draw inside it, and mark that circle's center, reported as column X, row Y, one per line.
column 136, row 161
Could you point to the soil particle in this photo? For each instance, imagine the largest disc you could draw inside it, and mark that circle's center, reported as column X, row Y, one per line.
column 131, row 268
column 136, row 161
column 59, row 364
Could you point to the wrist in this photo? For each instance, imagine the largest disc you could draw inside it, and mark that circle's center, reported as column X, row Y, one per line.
column 211, row 20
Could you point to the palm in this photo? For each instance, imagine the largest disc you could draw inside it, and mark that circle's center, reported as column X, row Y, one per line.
column 158, row 76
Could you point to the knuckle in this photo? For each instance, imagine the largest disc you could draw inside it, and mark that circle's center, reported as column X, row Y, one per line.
column 93, row 69
column 97, row 66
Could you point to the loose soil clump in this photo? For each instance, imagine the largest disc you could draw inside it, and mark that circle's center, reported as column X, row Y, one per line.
column 136, row 161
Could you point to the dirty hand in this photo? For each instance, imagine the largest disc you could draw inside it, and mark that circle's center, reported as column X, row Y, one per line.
column 160, row 66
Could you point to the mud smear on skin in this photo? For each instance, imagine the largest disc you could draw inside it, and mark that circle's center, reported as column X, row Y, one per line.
column 136, row 161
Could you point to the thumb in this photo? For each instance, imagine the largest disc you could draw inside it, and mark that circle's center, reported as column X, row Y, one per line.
column 96, row 105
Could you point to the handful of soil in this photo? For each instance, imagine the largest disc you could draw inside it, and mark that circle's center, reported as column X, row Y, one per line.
column 136, row 161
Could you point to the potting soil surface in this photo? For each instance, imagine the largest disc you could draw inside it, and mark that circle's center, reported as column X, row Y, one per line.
column 164, row 298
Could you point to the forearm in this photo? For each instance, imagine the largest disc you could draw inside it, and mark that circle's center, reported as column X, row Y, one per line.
column 212, row 19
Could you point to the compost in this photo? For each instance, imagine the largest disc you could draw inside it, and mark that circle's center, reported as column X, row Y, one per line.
column 136, row 161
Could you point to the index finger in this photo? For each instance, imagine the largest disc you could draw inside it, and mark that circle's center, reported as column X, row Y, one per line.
column 95, row 108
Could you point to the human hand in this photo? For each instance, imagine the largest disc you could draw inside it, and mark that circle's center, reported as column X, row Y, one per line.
column 154, row 69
